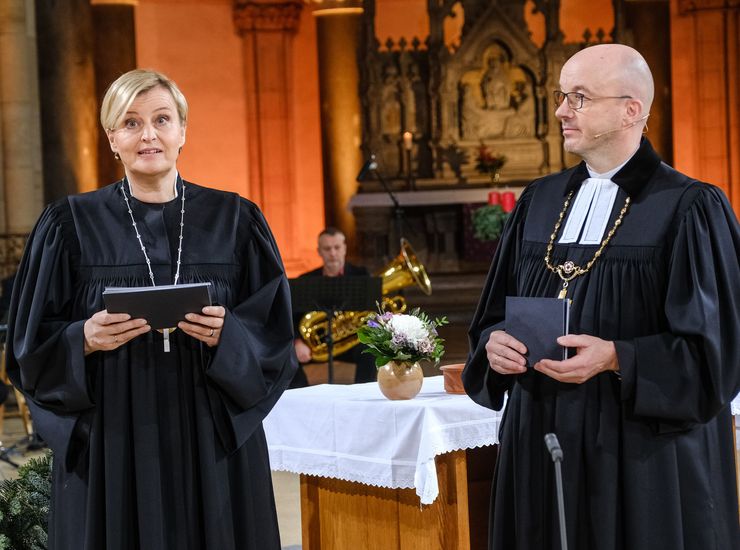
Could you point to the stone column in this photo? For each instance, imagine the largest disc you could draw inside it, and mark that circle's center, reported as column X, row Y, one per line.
column 21, row 186
column 20, row 148
column 705, row 62
column 646, row 20
column 114, row 55
column 69, row 116
column 267, row 28
column 338, row 26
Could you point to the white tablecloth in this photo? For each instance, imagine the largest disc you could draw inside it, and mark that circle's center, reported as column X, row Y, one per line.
column 355, row 434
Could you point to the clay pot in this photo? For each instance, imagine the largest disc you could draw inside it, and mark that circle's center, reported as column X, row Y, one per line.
column 400, row 380
column 453, row 377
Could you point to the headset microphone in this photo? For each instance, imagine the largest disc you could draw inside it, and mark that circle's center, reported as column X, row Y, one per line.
column 597, row 136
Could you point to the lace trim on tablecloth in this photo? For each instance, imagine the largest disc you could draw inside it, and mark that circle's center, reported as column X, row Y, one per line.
column 402, row 474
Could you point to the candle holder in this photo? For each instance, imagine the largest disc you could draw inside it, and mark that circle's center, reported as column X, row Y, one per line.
column 410, row 180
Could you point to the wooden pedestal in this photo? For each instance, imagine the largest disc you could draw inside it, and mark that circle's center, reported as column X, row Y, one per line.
column 337, row 514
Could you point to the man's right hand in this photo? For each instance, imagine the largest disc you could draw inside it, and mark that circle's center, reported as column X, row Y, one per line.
column 505, row 353
column 302, row 351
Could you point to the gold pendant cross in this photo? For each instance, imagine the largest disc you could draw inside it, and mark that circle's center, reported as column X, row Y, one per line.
column 563, row 291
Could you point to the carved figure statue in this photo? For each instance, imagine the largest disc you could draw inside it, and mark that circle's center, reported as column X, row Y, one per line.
column 495, row 84
column 390, row 106
column 410, row 84
column 496, row 99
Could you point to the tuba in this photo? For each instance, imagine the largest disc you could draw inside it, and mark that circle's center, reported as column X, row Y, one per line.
column 405, row 270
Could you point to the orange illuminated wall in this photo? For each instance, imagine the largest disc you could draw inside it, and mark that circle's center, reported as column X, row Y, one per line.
column 195, row 43
column 205, row 61
column 705, row 65
column 408, row 18
column 397, row 19
column 577, row 15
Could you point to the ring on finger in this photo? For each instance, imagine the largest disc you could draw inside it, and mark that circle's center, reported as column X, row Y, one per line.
column 213, row 331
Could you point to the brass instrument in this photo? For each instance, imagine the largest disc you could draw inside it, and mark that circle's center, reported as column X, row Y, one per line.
column 405, row 270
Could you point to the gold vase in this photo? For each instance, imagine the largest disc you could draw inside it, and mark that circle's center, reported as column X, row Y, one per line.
column 399, row 380
column 495, row 176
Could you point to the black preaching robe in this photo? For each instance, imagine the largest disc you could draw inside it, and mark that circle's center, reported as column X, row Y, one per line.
column 154, row 450
column 648, row 459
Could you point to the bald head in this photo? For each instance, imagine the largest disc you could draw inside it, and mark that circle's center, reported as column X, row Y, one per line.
column 619, row 69
column 610, row 91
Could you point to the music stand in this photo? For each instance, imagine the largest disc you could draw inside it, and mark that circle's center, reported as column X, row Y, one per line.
column 332, row 294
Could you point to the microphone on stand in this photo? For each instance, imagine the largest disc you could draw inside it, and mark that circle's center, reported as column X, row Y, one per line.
column 597, row 136
column 370, row 166
column 553, row 447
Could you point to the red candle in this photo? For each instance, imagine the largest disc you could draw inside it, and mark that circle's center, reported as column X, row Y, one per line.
column 494, row 197
column 507, row 201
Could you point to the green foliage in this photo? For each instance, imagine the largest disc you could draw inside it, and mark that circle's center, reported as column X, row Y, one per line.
column 404, row 338
column 488, row 222
column 24, row 506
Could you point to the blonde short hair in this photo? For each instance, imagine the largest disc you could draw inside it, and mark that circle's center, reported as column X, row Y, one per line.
column 123, row 91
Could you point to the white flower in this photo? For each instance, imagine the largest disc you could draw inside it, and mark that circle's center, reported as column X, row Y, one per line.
column 410, row 327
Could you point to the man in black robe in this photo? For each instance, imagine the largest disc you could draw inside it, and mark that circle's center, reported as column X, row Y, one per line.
column 642, row 406
column 332, row 248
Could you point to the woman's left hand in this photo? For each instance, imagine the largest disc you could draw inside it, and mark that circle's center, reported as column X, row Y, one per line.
column 205, row 326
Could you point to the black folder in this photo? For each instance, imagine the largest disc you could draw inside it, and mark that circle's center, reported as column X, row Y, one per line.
column 162, row 306
column 538, row 323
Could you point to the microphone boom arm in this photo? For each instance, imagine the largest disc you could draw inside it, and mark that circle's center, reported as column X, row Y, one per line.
column 371, row 167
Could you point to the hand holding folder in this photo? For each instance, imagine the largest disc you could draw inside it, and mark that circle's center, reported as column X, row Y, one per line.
column 538, row 323
column 162, row 306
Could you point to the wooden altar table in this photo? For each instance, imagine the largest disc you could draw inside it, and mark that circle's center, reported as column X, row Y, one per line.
column 386, row 474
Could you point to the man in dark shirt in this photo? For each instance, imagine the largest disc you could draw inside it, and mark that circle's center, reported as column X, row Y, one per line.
column 332, row 247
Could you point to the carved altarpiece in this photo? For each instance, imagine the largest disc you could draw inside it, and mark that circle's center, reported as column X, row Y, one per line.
column 493, row 88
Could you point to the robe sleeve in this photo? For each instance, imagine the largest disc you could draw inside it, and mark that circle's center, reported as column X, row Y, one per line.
column 484, row 385
column 45, row 345
column 690, row 372
column 253, row 362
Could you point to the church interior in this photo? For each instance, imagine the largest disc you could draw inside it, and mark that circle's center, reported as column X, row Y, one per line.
column 288, row 99
column 387, row 119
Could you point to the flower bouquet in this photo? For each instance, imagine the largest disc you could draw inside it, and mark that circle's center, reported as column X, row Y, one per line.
column 489, row 163
column 399, row 341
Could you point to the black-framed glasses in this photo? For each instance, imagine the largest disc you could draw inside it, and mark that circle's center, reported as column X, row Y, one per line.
column 576, row 99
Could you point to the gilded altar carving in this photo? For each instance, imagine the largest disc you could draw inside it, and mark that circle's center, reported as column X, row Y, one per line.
column 496, row 100
column 493, row 87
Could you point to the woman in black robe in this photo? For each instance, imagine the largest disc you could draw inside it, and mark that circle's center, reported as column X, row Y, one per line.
column 648, row 453
column 153, row 449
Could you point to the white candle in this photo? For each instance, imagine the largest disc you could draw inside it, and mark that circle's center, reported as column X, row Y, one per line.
column 408, row 140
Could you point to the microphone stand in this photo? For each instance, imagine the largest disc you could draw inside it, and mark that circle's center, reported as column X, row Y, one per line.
column 397, row 210
column 556, row 453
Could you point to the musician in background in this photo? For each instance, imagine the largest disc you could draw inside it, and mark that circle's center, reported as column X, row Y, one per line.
column 332, row 247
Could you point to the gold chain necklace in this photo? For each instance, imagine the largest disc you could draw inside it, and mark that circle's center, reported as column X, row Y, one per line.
column 569, row 270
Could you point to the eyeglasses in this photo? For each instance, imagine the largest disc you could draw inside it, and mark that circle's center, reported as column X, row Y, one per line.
column 576, row 99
